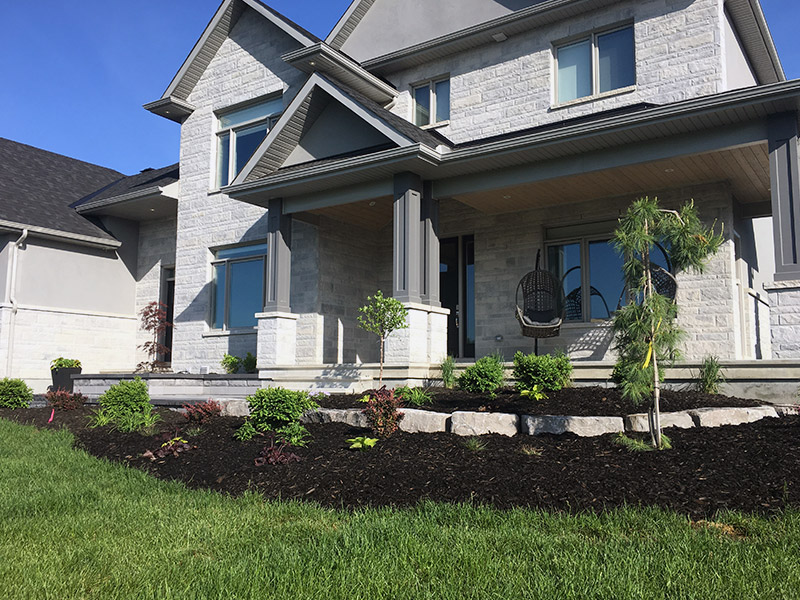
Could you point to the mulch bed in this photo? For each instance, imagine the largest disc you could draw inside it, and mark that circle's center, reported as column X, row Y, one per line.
column 753, row 468
column 576, row 401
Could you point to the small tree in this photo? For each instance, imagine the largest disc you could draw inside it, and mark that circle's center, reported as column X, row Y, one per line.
column 382, row 316
column 154, row 320
column 645, row 330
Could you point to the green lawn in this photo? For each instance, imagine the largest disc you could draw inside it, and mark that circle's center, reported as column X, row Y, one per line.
column 72, row 526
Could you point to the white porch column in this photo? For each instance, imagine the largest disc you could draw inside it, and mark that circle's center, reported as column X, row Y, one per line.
column 416, row 275
column 784, row 293
column 277, row 325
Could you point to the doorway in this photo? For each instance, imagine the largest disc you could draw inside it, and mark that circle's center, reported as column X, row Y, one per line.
column 168, row 300
column 457, row 291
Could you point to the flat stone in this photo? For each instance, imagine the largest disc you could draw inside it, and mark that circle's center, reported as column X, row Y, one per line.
column 582, row 426
column 423, row 421
column 475, row 423
column 234, row 408
column 350, row 416
column 638, row 422
column 715, row 417
column 787, row 410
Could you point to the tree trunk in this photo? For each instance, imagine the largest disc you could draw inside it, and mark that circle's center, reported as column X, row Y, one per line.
column 380, row 376
column 655, row 416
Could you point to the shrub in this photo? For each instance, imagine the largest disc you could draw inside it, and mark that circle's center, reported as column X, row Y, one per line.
column 64, row 400
column 64, row 363
column 486, row 375
column 710, row 376
column 448, row 372
column 417, row 396
column 231, row 363
column 153, row 320
column 275, row 409
column 127, row 406
column 362, row 443
column 547, row 372
column 276, row 454
column 293, row 434
column 249, row 363
column 381, row 412
column 202, row 412
column 15, row 393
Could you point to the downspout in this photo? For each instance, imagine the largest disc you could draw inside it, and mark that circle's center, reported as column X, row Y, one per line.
column 12, row 297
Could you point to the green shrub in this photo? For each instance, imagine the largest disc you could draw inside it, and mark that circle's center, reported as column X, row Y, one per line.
column 249, row 363
column 126, row 405
column 64, row 363
column 548, row 372
column 710, row 376
column 15, row 393
column 448, row 372
column 486, row 375
column 231, row 363
column 277, row 409
column 417, row 396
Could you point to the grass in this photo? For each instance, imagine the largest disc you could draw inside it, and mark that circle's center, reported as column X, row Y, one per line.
column 72, row 526
column 633, row 444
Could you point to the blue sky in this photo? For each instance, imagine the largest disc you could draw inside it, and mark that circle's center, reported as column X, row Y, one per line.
column 76, row 72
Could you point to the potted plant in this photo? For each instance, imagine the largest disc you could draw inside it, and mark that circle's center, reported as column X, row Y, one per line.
column 62, row 369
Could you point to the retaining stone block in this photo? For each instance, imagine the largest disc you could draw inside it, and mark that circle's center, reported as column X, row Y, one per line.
column 715, row 417
column 473, row 423
column 423, row 421
column 639, row 422
column 581, row 426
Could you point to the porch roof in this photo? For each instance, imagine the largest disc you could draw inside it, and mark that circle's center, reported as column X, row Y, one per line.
column 634, row 136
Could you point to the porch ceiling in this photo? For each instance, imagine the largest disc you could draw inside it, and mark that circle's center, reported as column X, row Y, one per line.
column 370, row 214
column 745, row 169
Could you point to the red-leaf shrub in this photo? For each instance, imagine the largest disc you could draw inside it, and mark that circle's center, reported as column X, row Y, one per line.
column 64, row 400
column 202, row 412
column 276, row 454
column 381, row 411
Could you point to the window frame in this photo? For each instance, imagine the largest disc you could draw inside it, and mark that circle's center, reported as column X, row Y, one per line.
column 215, row 262
column 583, row 242
column 592, row 37
column 432, row 98
column 233, row 130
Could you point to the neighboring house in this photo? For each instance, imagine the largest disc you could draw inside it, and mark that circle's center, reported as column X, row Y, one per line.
column 431, row 149
column 70, row 283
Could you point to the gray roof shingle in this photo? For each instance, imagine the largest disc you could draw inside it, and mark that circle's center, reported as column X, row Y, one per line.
column 148, row 179
column 37, row 188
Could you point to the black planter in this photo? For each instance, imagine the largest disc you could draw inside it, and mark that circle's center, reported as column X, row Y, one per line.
column 62, row 378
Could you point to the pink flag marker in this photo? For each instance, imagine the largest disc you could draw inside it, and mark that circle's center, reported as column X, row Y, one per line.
column 52, row 414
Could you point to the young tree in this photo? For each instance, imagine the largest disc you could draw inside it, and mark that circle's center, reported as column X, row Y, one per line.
column 153, row 320
column 382, row 316
column 645, row 330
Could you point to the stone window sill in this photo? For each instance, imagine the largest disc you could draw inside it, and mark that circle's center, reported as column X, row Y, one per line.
column 229, row 332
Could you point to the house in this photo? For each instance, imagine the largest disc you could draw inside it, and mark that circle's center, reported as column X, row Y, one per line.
column 432, row 150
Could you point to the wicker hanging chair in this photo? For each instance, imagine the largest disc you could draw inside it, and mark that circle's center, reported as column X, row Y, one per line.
column 540, row 303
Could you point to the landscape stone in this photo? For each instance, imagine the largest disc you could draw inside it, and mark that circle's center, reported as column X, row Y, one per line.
column 475, row 423
column 582, row 426
column 423, row 421
column 787, row 410
column 715, row 417
column 638, row 422
column 350, row 416
column 234, row 408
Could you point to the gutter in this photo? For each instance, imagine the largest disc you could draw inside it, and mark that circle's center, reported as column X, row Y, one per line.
column 12, row 297
column 137, row 195
column 75, row 238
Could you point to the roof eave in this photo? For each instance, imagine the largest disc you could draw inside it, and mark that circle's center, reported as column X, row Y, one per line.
column 170, row 108
column 55, row 234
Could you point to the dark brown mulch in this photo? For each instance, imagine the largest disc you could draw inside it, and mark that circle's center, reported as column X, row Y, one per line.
column 577, row 401
column 754, row 468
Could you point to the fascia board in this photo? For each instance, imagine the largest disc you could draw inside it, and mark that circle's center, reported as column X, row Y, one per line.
column 144, row 194
column 343, row 20
column 46, row 232
column 761, row 20
column 317, row 80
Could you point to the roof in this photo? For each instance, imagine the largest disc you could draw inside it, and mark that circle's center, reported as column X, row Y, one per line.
column 149, row 181
column 37, row 188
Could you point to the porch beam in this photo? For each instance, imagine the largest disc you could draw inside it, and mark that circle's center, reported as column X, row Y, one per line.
column 408, row 253
column 699, row 142
column 279, row 257
column 785, row 192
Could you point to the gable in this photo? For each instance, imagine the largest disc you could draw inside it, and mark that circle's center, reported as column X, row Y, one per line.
column 335, row 132
column 373, row 28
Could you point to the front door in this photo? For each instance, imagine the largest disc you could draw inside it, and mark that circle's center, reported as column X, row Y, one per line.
column 457, row 292
column 168, row 300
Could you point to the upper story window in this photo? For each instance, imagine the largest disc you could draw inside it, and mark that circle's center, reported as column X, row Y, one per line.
column 595, row 64
column 239, row 133
column 238, row 286
column 432, row 102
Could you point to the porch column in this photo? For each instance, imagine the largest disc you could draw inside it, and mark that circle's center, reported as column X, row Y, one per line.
column 277, row 325
column 784, row 293
column 416, row 275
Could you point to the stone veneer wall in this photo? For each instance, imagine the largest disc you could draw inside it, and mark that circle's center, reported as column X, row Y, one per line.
column 505, row 249
column 784, row 306
column 508, row 86
column 247, row 66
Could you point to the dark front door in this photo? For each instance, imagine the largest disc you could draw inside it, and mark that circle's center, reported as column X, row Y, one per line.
column 168, row 300
column 457, row 293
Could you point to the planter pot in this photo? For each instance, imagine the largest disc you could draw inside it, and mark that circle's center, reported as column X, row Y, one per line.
column 62, row 378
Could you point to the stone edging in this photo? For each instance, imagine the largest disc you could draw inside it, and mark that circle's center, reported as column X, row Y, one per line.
column 479, row 423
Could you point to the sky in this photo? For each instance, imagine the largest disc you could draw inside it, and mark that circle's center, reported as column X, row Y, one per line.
column 77, row 72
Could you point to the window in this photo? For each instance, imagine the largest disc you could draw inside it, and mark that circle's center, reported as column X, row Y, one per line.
column 239, row 133
column 238, row 286
column 596, row 64
column 432, row 102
